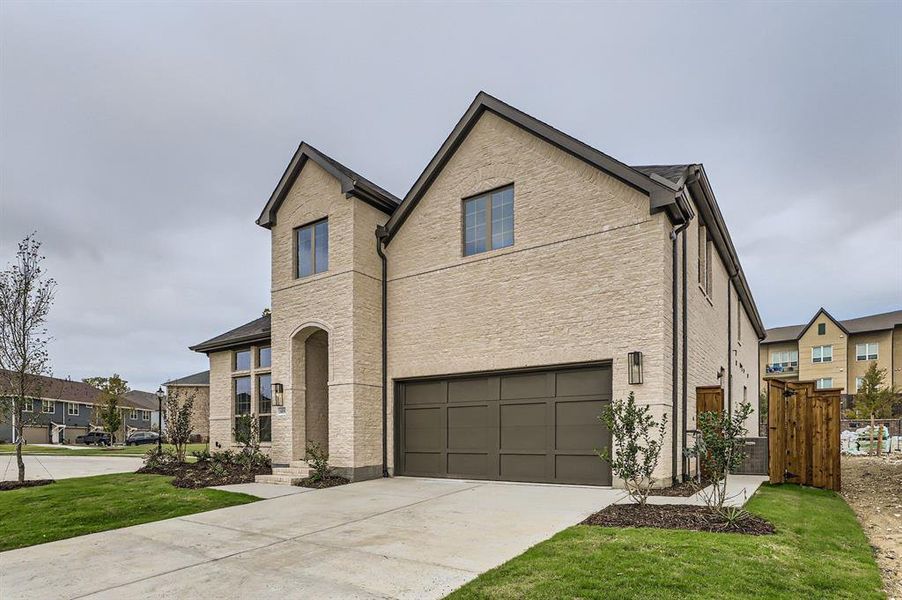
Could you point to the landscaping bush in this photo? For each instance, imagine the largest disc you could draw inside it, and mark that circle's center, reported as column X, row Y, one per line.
column 219, row 468
column 321, row 475
column 636, row 451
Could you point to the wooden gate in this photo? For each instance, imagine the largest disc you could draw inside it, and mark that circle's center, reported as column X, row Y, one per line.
column 803, row 427
column 707, row 399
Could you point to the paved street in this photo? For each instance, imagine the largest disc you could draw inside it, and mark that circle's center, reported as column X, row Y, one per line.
column 63, row 467
column 386, row 538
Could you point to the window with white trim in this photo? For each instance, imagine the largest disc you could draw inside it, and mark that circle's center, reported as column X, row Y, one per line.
column 145, row 415
column 859, row 381
column 28, row 406
column 785, row 358
column 133, row 415
column 822, row 354
column 866, row 351
column 72, row 409
column 824, row 383
column 47, row 406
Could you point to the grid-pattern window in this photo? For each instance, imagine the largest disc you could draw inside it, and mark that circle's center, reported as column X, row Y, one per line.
column 242, row 394
column 264, row 406
column 488, row 221
column 312, row 243
column 824, row 383
column 866, row 351
column 822, row 354
column 786, row 358
column 264, row 357
column 822, row 329
column 72, row 409
column 47, row 406
column 242, row 361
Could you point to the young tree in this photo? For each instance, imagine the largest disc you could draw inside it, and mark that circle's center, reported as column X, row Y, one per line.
column 26, row 296
column 874, row 400
column 636, row 452
column 112, row 391
column 719, row 447
column 179, row 409
column 247, row 433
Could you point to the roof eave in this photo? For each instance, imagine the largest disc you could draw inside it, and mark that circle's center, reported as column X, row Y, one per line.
column 207, row 347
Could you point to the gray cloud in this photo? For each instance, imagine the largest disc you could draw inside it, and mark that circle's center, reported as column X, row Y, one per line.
column 141, row 140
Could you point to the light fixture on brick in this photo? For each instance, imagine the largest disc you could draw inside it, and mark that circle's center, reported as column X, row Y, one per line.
column 277, row 396
column 634, row 362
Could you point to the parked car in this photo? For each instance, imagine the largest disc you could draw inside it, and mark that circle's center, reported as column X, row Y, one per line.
column 142, row 437
column 97, row 438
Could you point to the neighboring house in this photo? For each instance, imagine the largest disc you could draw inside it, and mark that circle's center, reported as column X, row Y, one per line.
column 143, row 414
column 530, row 279
column 65, row 409
column 198, row 386
column 834, row 353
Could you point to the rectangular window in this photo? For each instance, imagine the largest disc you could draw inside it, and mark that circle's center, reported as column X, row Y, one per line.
column 242, row 360
column 705, row 278
column 858, row 382
column 824, row 383
column 822, row 354
column 241, row 390
column 786, row 358
column 264, row 358
column 312, row 242
column 488, row 221
column 821, row 328
column 738, row 320
column 145, row 415
column 264, row 407
column 709, row 274
column 133, row 415
column 866, row 351
column 28, row 406
column 47, row 406
column 72, row 409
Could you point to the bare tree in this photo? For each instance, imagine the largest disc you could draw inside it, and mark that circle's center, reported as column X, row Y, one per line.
column 26, row 296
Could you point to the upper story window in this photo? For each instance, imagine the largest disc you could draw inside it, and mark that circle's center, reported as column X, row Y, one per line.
column 488, row 221
column 822, row 354
column 786, row 358
column 47, row 406
column 28, row 406
column 705, row 280
column 145, row 415
column 821, row 328
column 859, row 381
column 72, row 409
column 866, row 351
column 242, row 360
column 738, row 319
column 824, row 383
column 264, row 357
column 312, row 243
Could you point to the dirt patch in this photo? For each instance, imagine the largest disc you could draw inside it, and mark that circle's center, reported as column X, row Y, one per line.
column 873, row 488
column 6, row 486
column 681, row 490
column 207, row 474
column 327, row 482
column 675, row 516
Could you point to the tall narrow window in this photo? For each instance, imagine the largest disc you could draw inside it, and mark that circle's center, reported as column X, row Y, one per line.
column 858, row 383
column 242, row 395
column 738, row 320
column 488, row 221
column 264, row 357
column 264, row 407
column 704, row 260
column 312, row 243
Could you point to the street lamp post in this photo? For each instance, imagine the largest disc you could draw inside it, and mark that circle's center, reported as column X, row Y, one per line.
column 160, row 419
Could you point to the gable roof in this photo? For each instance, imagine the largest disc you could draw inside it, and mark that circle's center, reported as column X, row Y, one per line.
column 253, row 331
column 878, row 322
column 139, row 399
column 662, row 193
column 67, row 390
column 352, row 184
column 202, row 378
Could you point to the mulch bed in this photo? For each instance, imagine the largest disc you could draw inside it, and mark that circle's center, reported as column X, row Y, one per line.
column 15, row 485
column 682, row 490
column 675, row 516
column 201, row 475
column 331, row 481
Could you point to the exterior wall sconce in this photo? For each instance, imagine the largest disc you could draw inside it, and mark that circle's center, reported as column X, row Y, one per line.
column 277, row 395
column 634, row 363
column 720, row 373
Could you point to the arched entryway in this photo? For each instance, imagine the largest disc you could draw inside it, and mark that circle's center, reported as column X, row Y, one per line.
column 310, row 382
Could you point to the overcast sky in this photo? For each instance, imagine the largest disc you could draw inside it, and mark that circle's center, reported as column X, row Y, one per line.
column 141, row 140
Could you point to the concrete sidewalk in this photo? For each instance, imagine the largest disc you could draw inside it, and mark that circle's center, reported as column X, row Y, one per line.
column 47, row 466
column 385, row 538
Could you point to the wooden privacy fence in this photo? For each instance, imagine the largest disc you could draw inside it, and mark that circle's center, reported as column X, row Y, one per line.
column 803, row 428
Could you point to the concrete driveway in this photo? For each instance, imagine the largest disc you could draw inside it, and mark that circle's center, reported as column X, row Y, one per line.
column 63, row 467
column 386, row 538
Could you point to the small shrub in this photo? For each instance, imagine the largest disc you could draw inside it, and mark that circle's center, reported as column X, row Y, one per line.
column 202, row 456
column 318, row 459
column 636, row 451
column 160, row 459
column 225, row 457
column 734, row 516
column 247, row 433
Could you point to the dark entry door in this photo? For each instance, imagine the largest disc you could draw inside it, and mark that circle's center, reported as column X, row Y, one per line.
column 539, row 426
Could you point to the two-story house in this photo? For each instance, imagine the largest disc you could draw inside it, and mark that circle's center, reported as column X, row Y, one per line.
column 834, row 353
column 478, row 327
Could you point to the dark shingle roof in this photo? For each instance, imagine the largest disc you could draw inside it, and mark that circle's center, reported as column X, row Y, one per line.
column 66, row 390
column 139, row 399
column 202, row 378
column 672, row 173
column 255, row 331
column 878, row 322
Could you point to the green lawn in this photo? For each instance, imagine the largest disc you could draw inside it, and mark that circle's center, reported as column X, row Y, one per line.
column 819, row 551
column 92, row 450
column 72, row 507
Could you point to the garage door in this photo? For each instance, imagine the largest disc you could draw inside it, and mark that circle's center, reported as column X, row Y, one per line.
column 540, row 426
column 36, row 435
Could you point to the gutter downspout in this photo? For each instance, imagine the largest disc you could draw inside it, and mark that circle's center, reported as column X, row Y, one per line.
column 729, row 347
column 675, row 353
column 685, row 361
column 381, row 235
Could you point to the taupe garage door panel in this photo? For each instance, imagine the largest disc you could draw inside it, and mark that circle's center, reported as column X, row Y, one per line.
column 538, row 426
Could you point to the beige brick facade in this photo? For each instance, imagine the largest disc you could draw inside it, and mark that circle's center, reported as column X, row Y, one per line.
column 200, row 418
